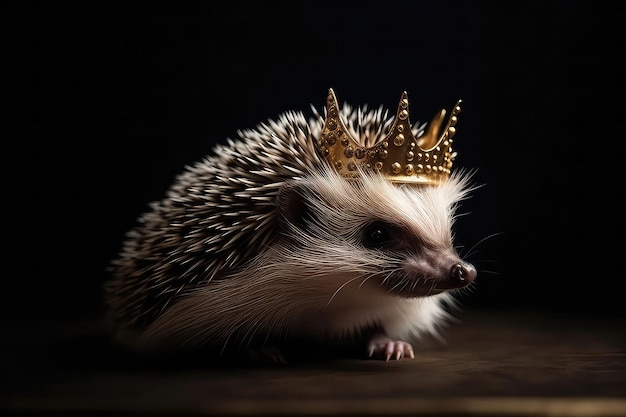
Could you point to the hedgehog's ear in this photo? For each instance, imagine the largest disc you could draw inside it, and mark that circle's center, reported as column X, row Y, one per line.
column 292, row 206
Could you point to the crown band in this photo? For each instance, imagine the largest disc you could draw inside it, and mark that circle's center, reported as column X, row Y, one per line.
column 400, row 156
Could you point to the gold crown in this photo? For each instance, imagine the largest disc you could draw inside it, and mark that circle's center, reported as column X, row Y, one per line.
column 400, row 156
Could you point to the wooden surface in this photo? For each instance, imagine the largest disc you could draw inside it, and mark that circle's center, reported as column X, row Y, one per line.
column 493, row 363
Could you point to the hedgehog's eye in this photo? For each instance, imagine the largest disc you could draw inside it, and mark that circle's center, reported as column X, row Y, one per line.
column 376, row 235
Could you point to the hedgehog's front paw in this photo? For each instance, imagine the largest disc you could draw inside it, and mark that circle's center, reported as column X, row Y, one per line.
column 381, row 345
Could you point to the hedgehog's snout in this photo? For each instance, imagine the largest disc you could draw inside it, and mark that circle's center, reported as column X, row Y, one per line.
column 462, row 274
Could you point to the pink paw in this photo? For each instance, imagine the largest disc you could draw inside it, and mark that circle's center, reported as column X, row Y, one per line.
column 384, row 346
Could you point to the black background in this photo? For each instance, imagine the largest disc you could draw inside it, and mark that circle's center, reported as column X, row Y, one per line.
column 108, row 101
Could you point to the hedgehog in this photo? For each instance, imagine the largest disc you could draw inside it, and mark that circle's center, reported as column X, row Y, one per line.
column 330, row 230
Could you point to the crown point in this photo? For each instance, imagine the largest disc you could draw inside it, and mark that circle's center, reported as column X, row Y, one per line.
column 331, row 99
column 400, row 156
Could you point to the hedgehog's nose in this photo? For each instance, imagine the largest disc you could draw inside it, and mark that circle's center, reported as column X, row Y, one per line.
column 463, row 273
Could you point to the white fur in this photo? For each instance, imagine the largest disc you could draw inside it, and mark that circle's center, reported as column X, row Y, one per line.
column 323, row 288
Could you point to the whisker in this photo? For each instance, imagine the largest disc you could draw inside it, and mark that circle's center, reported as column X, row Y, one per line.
column 402, row 283
column 473, row 248
column 332, row 297
column 469, row 289
column 485, row 261
column 369, row 276
column 390, row 272
column 487, row 271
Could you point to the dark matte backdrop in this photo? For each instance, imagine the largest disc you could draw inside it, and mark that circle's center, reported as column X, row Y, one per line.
column 109, row 100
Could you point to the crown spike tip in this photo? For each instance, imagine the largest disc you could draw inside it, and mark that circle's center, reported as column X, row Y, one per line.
column 457, row 107
column 331, row 98
column 403, row 108
column 404, row 101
